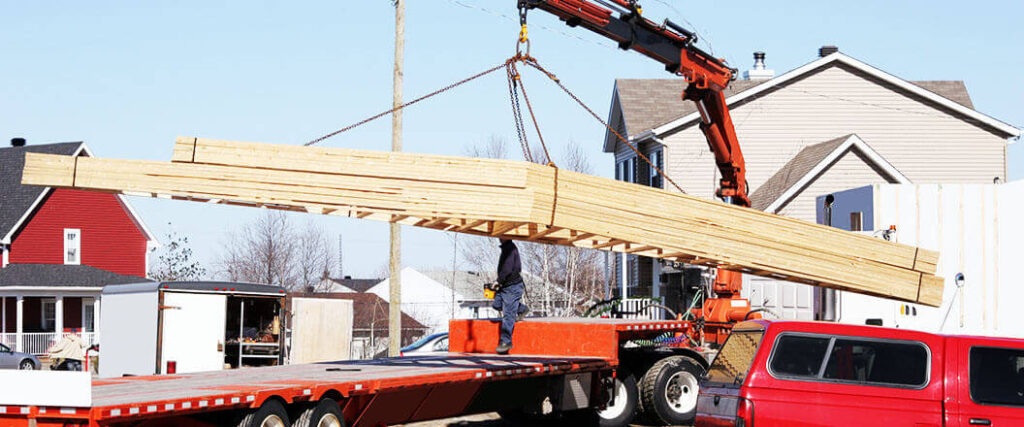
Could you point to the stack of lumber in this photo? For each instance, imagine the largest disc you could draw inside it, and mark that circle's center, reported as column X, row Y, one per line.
column 509, row 199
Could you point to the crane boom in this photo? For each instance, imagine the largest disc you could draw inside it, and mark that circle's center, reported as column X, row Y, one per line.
column 673, row 46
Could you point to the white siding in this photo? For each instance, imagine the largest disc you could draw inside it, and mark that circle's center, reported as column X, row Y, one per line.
column 850, row 170
column 926, row 143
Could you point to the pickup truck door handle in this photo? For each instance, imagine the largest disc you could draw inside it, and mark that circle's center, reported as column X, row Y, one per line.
column 980, row 422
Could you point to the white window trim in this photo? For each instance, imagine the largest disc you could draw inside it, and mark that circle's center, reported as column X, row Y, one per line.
column 42, row 313
column 78, row 249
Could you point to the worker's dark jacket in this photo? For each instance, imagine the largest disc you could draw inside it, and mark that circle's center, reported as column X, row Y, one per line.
column 509, row 265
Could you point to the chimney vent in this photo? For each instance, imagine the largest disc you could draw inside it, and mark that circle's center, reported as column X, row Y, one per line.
column 827, row 50
column 17, row 142
column 760, row 72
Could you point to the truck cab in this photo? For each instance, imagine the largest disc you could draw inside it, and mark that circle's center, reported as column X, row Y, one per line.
column 780, row 373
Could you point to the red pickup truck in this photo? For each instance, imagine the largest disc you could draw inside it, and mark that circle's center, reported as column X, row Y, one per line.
column 784, row 373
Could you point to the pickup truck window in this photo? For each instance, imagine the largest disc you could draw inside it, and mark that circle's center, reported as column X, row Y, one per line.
column 733, row 362
column 879, row 362
column 799, row 356
column 851, row 360
column 997, row 376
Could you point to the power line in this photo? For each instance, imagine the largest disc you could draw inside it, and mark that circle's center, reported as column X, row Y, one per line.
column 516, row 20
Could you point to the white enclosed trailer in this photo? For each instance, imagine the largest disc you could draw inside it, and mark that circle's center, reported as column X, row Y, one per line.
column 979, row 234
column 180, row 327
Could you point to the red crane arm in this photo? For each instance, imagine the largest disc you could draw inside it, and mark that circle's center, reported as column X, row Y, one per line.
column 707, row 76
column 672, row 45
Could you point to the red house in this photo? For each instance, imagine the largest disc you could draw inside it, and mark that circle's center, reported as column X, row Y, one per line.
column 59, row 248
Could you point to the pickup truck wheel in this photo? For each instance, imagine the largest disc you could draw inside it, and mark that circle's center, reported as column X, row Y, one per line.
column 669, row 390
column 326, row 413
column 270, row 414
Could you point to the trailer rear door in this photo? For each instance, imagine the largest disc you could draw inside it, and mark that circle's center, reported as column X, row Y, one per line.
column 193, row 332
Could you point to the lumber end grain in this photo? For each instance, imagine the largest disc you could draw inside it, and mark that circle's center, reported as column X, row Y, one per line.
column 49, row 170
column 931, row 290
column 184, row 149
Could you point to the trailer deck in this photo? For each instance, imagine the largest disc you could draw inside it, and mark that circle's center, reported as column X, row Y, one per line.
column 373, row 392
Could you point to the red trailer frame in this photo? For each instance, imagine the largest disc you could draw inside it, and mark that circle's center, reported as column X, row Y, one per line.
column 471, row 379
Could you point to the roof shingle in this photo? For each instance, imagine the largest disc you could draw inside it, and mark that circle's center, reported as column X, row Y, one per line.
column 18, row 198
column 792, row 172
column 60, row 275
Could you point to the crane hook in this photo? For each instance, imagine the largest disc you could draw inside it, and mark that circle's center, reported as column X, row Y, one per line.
column 523, row 32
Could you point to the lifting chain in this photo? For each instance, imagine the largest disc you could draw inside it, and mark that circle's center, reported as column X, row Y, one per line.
column 515, row 86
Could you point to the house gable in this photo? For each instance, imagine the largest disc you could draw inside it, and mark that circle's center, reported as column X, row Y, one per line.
column 33, row 219
column 110, row 239
column 830, row 166
column 959, row 105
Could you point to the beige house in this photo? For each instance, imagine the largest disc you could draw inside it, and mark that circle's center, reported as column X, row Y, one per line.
column 833, row 124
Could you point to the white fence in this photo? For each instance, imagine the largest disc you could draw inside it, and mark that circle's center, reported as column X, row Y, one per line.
column 39, row 342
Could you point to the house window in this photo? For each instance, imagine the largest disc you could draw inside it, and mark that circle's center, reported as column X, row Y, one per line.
column 88, row 315
column 656, row 178
column 856, row 221
column 626, row 170
column 72, row 246
column 48, row 314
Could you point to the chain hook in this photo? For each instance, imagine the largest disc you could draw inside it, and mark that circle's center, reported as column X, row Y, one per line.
column 523, row 32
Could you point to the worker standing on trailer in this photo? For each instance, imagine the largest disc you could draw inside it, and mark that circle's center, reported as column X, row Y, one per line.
column 508, row 299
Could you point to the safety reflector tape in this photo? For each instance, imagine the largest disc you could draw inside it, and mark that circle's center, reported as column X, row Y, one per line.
column 3, row 409
column 42, row 410
column 218, row 401
column 115, row 412
column 151, row 408
column 24, row 410
column 307, row 392
column 133, row 411
column 235, row 399
column 203, row 403
column 359, row 387
column 478, row 375
column 250, row 398
column 68, row 411
column 168, row 406
column 186, row 405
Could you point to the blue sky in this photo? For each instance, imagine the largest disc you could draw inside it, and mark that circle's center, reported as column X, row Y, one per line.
column 128, row 77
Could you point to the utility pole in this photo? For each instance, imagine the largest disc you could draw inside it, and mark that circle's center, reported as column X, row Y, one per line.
column 395, row 303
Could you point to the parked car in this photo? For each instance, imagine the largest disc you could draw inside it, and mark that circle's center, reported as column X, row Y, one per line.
column 430, row 344
column 10, row 359
column 784, row 373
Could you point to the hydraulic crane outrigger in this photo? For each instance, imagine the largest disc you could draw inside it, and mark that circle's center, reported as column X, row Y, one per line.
column 708, row 77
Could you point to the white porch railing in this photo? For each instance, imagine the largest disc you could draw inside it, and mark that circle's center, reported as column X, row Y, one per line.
column 38, row 342
column 639, row 308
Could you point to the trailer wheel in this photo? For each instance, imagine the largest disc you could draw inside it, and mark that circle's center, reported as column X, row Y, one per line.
column 617, row 413
column 326, row 413
column 270, row 414
column 669, row 390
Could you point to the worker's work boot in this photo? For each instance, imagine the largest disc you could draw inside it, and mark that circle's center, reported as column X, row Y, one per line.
column 523, row 312
column 503, row 348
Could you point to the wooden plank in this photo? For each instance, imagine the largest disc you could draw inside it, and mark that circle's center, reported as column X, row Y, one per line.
column 514, row 200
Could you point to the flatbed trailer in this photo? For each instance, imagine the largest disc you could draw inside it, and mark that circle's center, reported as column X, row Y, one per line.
column 572, row 364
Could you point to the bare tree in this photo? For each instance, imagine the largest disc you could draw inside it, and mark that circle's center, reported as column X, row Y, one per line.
column 262, row 252
column 570, row 277
column 314, row 260
column 174, row 260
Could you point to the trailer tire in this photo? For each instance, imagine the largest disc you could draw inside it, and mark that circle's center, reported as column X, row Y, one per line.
column 668, row 391
column 271, row 414
column 619, row 415
column 326, row 413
